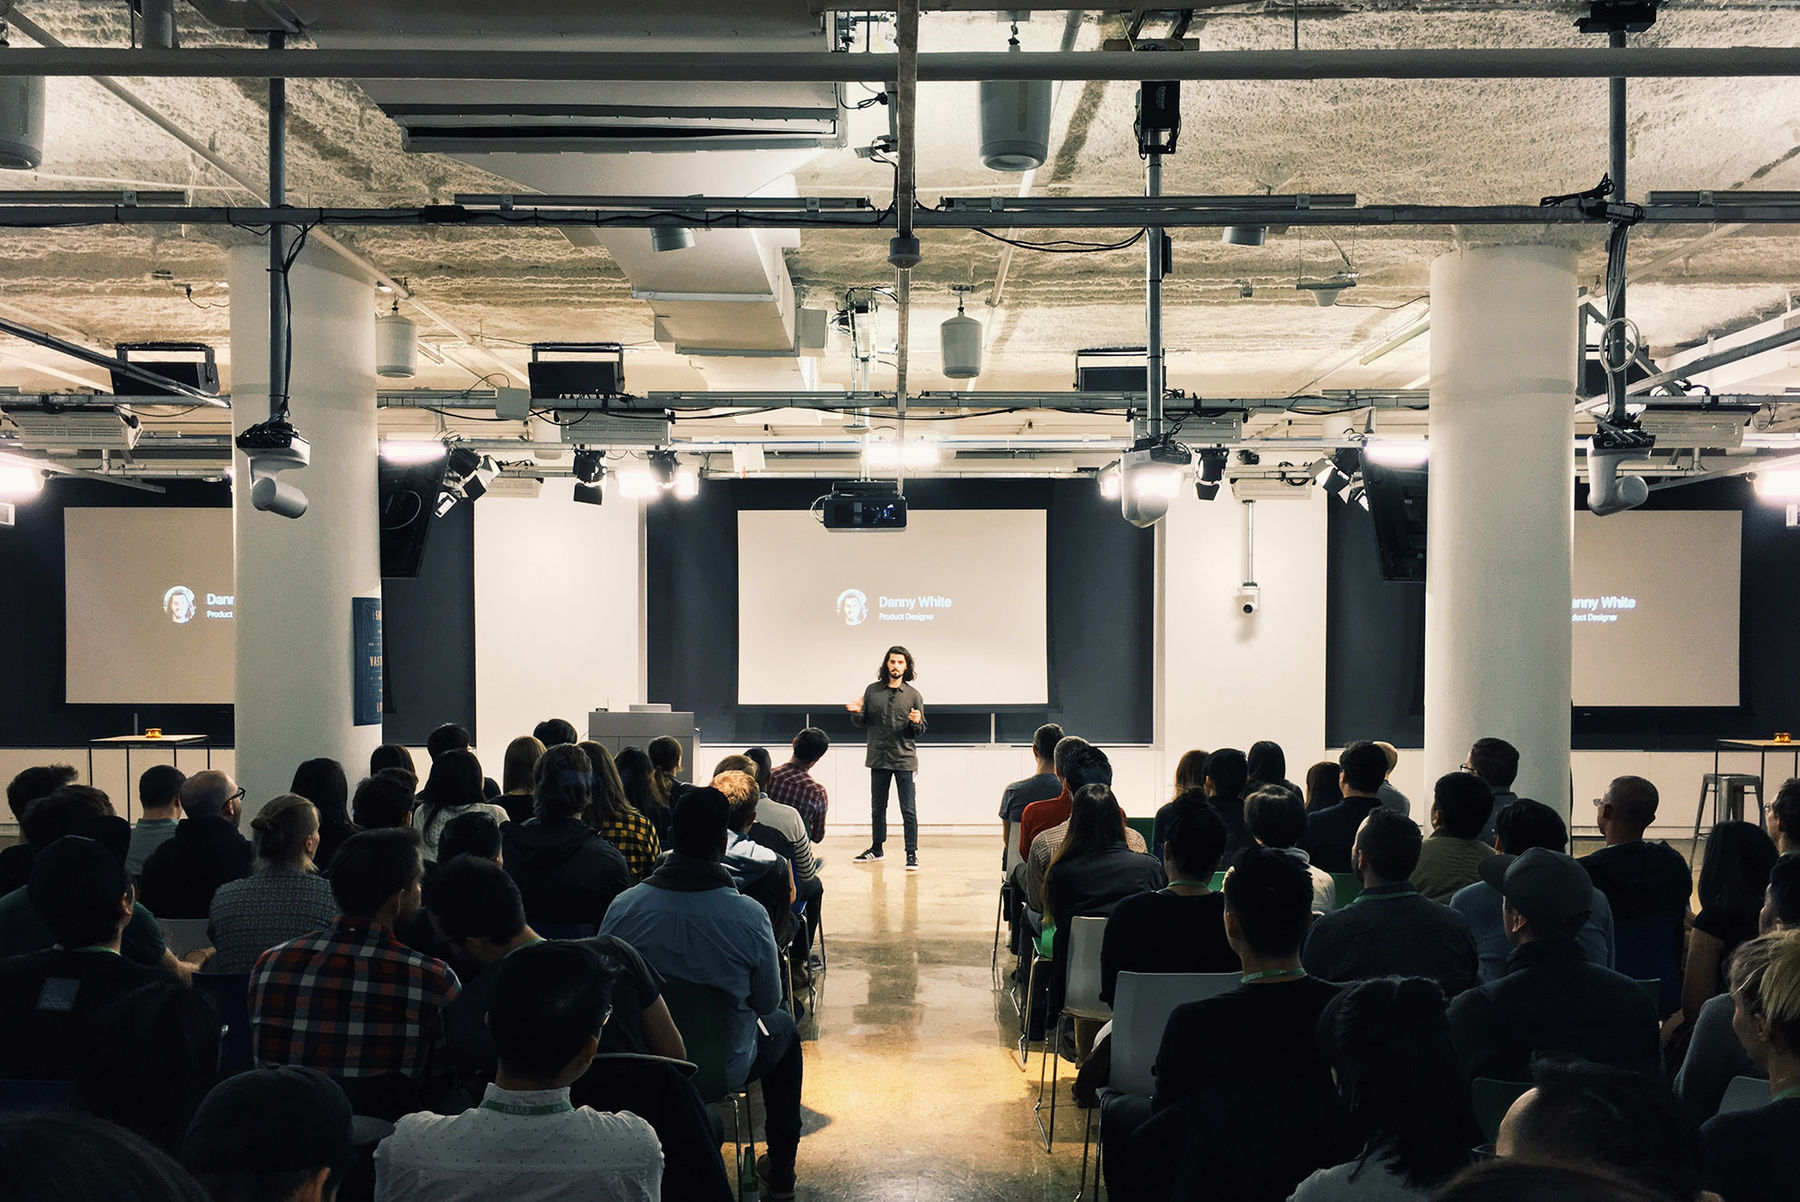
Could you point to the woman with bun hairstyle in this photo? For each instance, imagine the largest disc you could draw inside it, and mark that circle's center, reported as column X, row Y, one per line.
column 283, row 898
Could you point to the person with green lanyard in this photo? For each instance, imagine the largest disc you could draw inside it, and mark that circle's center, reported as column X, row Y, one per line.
column 1746, row 1157
column 81, row 892
column 526, row 1140
column 1391, row 929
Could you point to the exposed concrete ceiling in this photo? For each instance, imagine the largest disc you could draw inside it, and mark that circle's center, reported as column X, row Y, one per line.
column 1436, row 142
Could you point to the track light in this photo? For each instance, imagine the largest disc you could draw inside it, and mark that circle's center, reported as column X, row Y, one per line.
column 1244, row 235
column 670, row 237
column 21, row 482
column 1015, row 120
column 411, row 450
column 1108, row 480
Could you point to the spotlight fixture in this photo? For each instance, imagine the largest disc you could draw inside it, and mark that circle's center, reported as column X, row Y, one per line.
column 18, row 482
column 1015, row 120
column 1244, row 235
column 1781, row 485
column 1108, row 480
column 960, row 338
column 670, row 236
column 590, row 466
column 1158, row 122
column 1212, row 473
column 663, row 464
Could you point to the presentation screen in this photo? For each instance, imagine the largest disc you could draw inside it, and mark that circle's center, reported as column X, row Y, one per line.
column 151, row 606
column 1655, row 608
column 963, row 590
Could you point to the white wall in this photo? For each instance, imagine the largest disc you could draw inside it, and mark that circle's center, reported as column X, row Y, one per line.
column 558, row 612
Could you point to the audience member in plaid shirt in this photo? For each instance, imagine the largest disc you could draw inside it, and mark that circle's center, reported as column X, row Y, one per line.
column 351, row 1000
column 792, row 783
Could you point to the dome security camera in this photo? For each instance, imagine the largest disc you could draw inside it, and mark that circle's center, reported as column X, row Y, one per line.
column 1249, row 597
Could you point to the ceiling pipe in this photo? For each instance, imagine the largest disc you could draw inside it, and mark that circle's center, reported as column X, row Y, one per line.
column 588, row 66
column 243, row 179
column 158, row 30
column 903, row 250
column 278, row 241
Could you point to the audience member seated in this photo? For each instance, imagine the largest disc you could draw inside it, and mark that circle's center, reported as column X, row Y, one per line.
column 1521, row 826
column 1227, row 771
column 66, row 1156
column 1461, row 807
column 351, row 1000
column 792, row 783
column 1085, row 765
column 1551, row 999
column 79, row 810
column 1647, row 884
column 1714, row 1053
column 392, row 755
column 452, row 737
column 779, row 827
column 1734, row 883
column 761, row 874
column 665, row 778
column 48, row 999
column 1040, row 816
column 1094, row 870
column 33, row 784
column 691, row 924
column 181, row 876
column 159, row 809
column 322, row 782
column 1244, row 1105
column 565, row 871
column 1748, row 1153
column 1041, row 785
column 1389, row 1046
column 1582, row 1113
column 1180, row 927
column 1276, row 817
column 1784, row 817
column 516, row 775
column 1266, row 764
column 638, row 776
column 282, row 899
column 454, row 787
column 1190, row 777
column 383, row 800
column 1330, row 832
column 471, row 834
column 69, row 810
column 1391, row 797
column 478, row 907
column 527, row 1139
column 1496, row 763
column 147, row 1059
column 1514, row 1180
column 553, row 731
column 613, row 816
column 1324, row 786
column 271, row 1135
column 1391, row 929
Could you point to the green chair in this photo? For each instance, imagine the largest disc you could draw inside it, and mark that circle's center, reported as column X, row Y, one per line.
column 1218, row 882
column 1491, row 1099
column 1349, row 887
column 700, row 1013
column 1145, row 827
column 1653, row 987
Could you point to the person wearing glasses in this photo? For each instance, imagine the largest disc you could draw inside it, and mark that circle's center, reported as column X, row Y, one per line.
column 206, row 851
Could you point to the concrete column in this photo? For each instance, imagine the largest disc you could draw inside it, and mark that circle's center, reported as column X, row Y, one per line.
column 295, row 577
column 1501, row 510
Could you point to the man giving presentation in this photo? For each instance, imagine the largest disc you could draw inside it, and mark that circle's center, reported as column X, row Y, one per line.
column 894, row 714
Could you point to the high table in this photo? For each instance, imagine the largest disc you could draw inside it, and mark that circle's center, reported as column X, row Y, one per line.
column 1762, row 747
column 127, row 742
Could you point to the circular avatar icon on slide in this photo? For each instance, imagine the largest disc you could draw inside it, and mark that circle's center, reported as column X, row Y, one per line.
column 178, row 603
column 853, row 607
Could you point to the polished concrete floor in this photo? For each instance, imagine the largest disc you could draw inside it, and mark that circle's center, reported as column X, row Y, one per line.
column 911, row 1089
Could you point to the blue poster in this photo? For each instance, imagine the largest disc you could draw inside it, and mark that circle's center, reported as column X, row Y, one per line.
column 365, row 635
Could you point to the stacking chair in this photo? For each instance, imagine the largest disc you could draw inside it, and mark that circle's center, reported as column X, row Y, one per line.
column 1142, row 1003
column 1081, row 999
column 1012, row 859
column 184, row 935
column 231, row 992
column 1349, row 887
column 1744, row 1093
column 567, row 930
column 699, row 1012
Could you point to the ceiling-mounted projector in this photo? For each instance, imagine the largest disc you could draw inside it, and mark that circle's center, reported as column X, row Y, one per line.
column 862, row 505
column 52, row 426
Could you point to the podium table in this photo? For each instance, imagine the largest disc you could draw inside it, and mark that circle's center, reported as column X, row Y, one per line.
column 126, row 742
column 1762, row 747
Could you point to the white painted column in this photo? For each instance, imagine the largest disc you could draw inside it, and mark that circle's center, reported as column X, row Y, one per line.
column 295, row 577
column 1503, row 360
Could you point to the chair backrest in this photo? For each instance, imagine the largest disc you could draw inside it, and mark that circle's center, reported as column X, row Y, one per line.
column 1142, row 1003
column 183, row 935
column 1081, row 994
column 1147, row 828
column 1013, row 858
column 567, row 930
column 47, row 1095
column 231, row 991
column 1491, row 1099
column 1744, row 1093
column 1349, row 887
column 699, row 1012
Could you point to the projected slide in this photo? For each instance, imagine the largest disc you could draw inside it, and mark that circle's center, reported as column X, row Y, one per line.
column 963, row 590
column 151, row 605
column 1655, row 608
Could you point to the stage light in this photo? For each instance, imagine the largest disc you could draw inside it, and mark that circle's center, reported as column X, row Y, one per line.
column 1212, row 472
column 638, row 483
column 1781, row 485
column 589, row 494
column 662, row 466
column 1404, row 452
column 590, row 466
column 687, row 484
column 401, row 450
column 20, row 481
column 1108, row 479
column 918, row 454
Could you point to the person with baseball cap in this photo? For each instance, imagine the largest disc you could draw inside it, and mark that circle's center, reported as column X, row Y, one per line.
column 271, row 1135
column 1551, row 998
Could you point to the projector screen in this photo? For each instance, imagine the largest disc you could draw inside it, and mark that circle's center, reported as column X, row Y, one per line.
column 151, row 604
column 963, row 590
column 1655, row 608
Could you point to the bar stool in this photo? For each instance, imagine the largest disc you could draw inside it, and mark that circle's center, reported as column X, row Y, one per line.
column 1728, row 790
